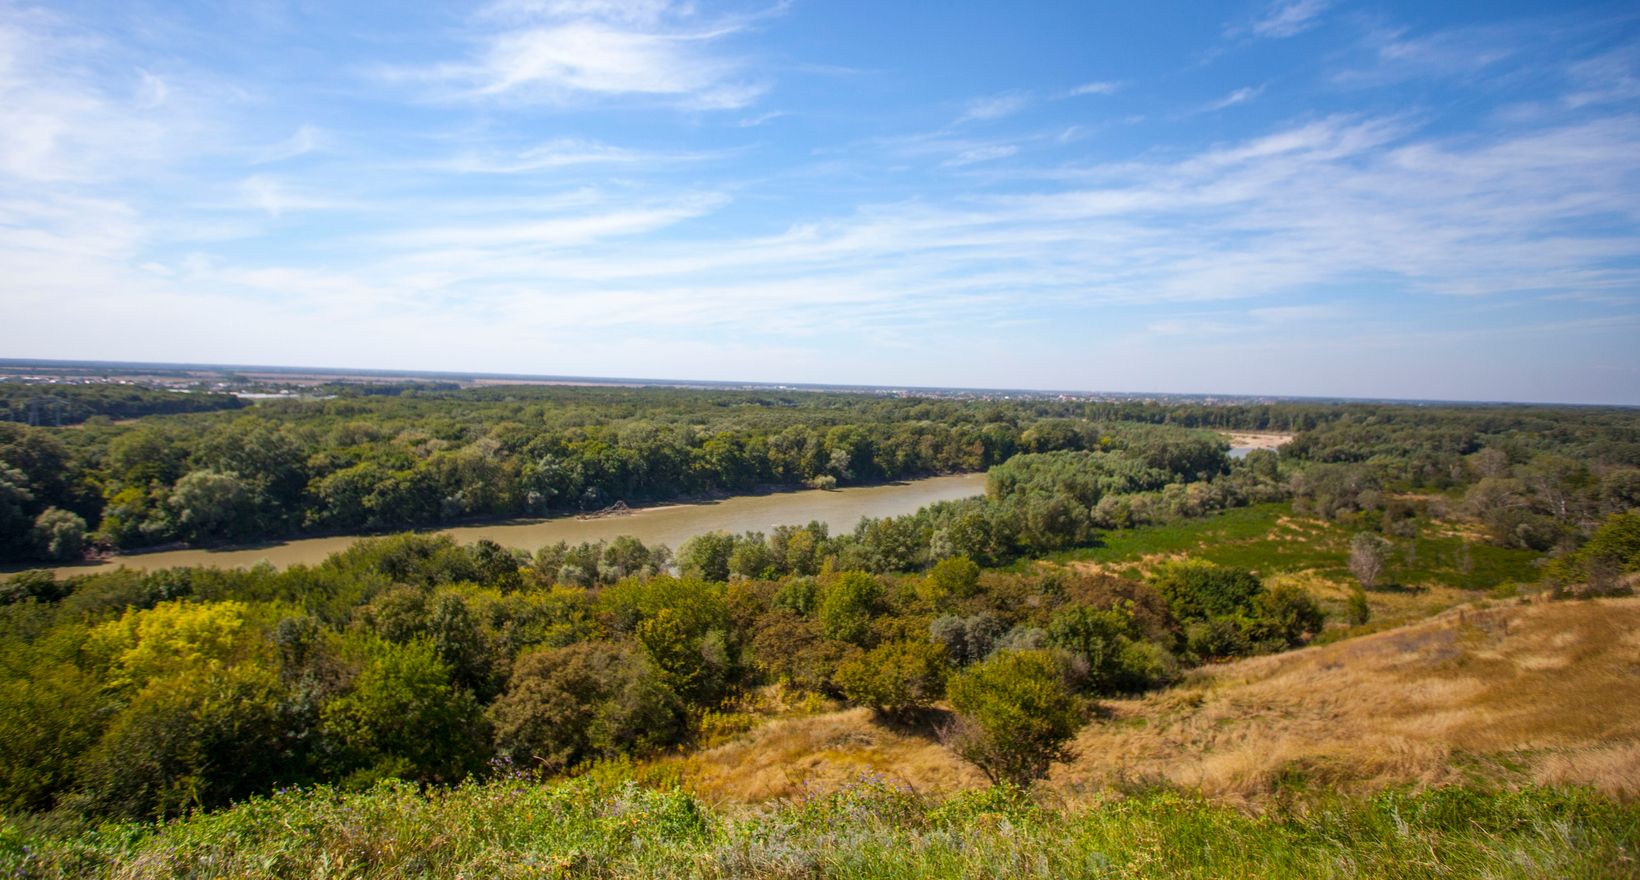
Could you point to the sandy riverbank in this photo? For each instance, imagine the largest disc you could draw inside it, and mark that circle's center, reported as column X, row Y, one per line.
column 1257, row 439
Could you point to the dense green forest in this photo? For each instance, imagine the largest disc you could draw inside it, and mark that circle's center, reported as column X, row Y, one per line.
column 412, row 456
column 57, row 405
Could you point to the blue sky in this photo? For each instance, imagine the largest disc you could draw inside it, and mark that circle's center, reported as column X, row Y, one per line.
column 1294, row 197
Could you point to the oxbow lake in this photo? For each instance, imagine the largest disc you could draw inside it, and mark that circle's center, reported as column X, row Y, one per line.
column 670, row 525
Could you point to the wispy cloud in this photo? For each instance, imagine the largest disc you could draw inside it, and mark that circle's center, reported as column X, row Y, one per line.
column 565, row 153
column 1394, row 55
column 1240, row 96
column 1287, row 18
column 574, row 49
column 981, row 154
column 304, row 140
column 1096, row 88
column 994, row 107
column 1608, row 78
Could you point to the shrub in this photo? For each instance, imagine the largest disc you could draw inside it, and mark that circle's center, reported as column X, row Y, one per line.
column 967, row 639
column 895, row 678
column 957, row 577
column 1288, row 614
column 590, row 700
column 403, row 716
column 1200, row 590
column 848, row 605
column 1015, row 715
column 1358, row 612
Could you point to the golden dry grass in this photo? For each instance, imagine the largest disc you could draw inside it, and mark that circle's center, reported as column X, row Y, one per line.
column 821, row 753
column 1540, row 691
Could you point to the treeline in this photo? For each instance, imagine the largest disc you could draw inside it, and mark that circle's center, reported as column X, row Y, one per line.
column 1036, row 503
column 72, row 404
column 143, row 695
column 423, row 457
column 408, row 456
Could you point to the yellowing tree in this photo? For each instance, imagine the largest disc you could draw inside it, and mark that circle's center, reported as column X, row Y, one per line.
column 172, row 637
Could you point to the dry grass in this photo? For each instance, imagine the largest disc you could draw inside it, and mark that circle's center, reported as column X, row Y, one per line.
column 823, row 753
column 1541, row 691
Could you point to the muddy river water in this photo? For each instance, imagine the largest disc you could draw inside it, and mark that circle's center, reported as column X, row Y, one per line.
column 670, row 525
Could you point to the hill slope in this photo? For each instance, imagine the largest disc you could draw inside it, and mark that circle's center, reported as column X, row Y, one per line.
column 1519, row 692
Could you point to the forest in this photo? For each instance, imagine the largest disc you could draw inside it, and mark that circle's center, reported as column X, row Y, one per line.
column 149, row 695
column 413, row 456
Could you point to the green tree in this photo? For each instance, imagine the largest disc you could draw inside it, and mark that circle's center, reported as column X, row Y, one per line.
column 1098, row 637
column 894, row 678
column 212, row 506
column 590, row 700
column 1015, row 715
column 59, row 535
column 706, row 556
column 403, row 716
column 847, row 607
column 1197, row 590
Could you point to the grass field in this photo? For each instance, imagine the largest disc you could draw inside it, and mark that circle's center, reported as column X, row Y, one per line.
column 1271, row 538
column 1441, row 567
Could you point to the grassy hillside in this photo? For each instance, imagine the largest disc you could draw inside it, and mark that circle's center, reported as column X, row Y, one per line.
column 1512, row 693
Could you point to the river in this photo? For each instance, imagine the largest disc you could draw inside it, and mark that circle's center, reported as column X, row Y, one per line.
column 671, row 525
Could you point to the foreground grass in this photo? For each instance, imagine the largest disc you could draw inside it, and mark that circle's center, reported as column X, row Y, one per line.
column 601, row 829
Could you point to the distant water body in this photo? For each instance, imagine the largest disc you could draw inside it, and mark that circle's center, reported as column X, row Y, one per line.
column 670, row 525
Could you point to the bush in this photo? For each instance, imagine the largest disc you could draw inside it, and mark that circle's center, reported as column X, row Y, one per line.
column 1288, row 614
column 1201, row 590
column 590, row 700
column 894, row 678
column 58, row 535
column 404, row 717
column 848, row 605
column 967, row 639
column 1015, row 715
column 957, row 577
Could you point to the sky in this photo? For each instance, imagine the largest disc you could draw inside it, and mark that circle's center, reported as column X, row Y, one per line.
column 1298, row 197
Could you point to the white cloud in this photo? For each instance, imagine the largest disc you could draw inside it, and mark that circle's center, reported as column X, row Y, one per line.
column 1239, row 96
column 637, row 12
column 1096, row 88
column 994, row 107
column 60, row 124
column 1606, row 79
column 1287, row 18
column 305, row 139
column 981, row 154
column 565, row 153
column 1453, row 53
column 571, row 49
column 277, row 197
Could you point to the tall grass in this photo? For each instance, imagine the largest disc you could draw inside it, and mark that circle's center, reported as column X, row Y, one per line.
column 593, row 827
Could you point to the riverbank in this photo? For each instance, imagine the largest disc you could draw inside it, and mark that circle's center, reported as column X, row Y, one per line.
column 670, row 523
column 1257, row 439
